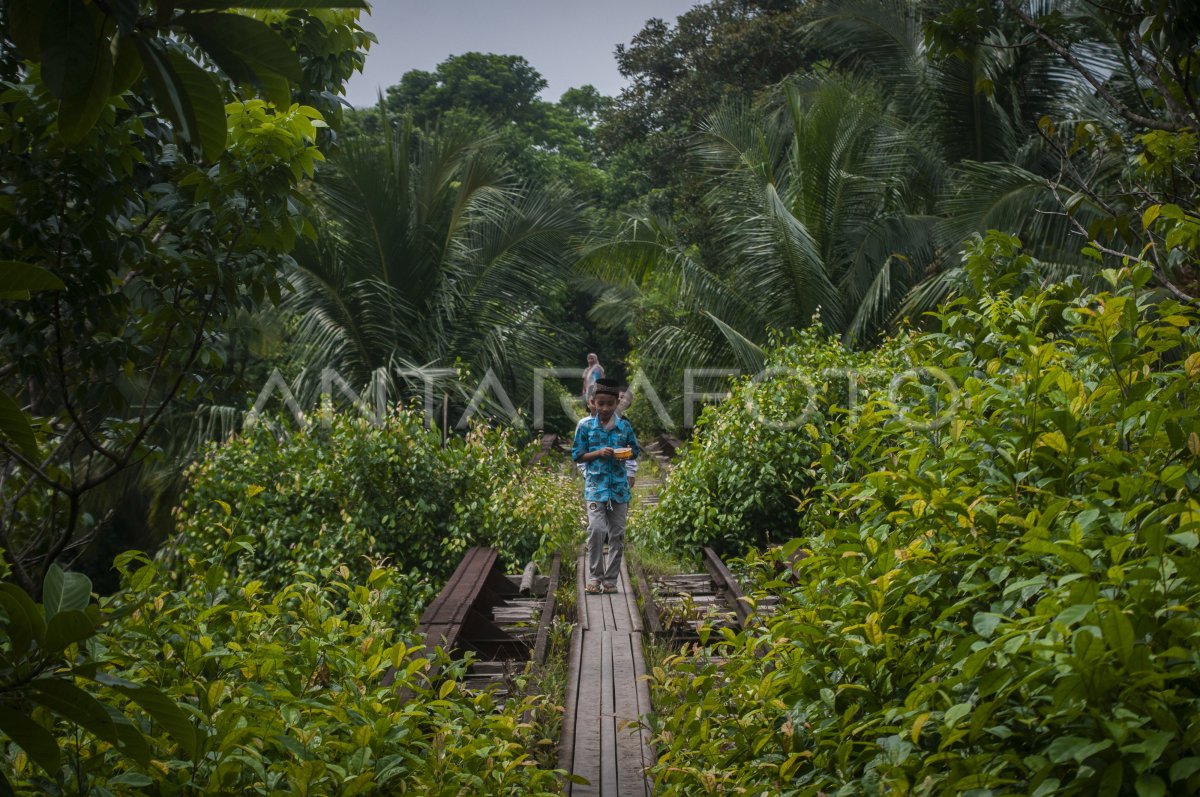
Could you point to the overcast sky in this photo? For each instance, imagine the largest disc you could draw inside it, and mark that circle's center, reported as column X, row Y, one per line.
column 570, row 42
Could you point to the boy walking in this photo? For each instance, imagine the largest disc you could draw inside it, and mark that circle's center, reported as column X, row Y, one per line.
column 603, row 443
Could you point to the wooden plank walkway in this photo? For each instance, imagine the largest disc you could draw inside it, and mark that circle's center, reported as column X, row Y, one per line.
column 606, row 696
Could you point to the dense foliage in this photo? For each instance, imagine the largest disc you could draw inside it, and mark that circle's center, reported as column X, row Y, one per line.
column 754, row 461
column 351, row 491
column 151, row 155
column 1000, row 587
column 226, row 685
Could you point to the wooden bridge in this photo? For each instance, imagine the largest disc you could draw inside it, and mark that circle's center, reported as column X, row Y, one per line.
column 607, row 697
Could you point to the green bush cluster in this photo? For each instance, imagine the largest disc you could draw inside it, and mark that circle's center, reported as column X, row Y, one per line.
column 349, row 491
column 1000, row 594
column 754, row 461
column 228, row 687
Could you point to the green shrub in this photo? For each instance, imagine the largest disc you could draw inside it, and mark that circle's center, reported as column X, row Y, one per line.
column 279, row 692
column 349, row 491
column 753, row 461
column 1006, row 603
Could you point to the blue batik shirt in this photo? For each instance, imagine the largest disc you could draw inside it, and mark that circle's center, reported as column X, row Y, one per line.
column 604, row 477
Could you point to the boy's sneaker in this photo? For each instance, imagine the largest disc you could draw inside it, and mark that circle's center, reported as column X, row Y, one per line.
column 593, row 588
column 610, row 587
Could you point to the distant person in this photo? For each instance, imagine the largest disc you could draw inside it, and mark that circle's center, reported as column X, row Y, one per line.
column 600, row 442
column 593, row 372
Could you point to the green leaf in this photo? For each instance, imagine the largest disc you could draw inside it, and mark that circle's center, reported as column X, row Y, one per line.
column 6, row 789
column 66, row 628
column 73, row 48
column 25, row 622
column 208, row 107
column 127, row 66
column 246, row 49
column 161, row 708
column 1150, row 786
column 1074, row 748
column 78, row 111
column 36, row 741
column 186, row 95
column 135, row 779
column 15, row 425
column 75, row 705
column 1117, row 630
column 1184, row 768
column 18, row 280
column 63, row 591
column 956, row 712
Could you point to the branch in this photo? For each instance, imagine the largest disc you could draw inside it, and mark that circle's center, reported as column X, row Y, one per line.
column 66, row 393
column 1108, row 96
column 1135, row 50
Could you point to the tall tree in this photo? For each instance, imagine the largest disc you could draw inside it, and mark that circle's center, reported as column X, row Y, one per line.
column 152, row 196
column 430, row 254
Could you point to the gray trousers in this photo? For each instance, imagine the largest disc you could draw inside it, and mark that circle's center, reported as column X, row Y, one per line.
column 606, row 522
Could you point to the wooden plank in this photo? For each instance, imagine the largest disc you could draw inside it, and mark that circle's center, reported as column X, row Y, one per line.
column 610, row 614
column 631, row 779
column 726, row 581
column 439, row 606
column 653, row 622
column 649, row 758
column 566, row 742
column 548, row 606
column 581, row 595
column 608, row 725
column 635, row 617
column 587, row 716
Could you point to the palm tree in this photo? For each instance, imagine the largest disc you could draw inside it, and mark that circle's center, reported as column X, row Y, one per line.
column 822, row 209
column 428, row 253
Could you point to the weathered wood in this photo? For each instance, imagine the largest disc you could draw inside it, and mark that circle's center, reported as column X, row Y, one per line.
column 586, row 761
column 548, row 606
column 566, row 743
column 642, row 692
column 728, row 583
column 527, row 575
column 605, row 701
column 608, row 726
column 653, row 622
column 635, row 617
column 631, row 779
column 581, row 596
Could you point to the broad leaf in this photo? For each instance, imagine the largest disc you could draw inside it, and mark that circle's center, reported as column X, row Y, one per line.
column 18, row 280
column 79, row 110
column 73, row 48
column 75, row 705
column 160, row 707
column 36, row 741
column 24, row 622
column 243, row 47
column 127, row 66
column 208, row 108
column 14, row 425
column 66, row 628
column 186, row 95
column 63, row 591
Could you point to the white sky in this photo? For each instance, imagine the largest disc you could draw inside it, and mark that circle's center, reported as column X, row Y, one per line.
column 570, row 42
